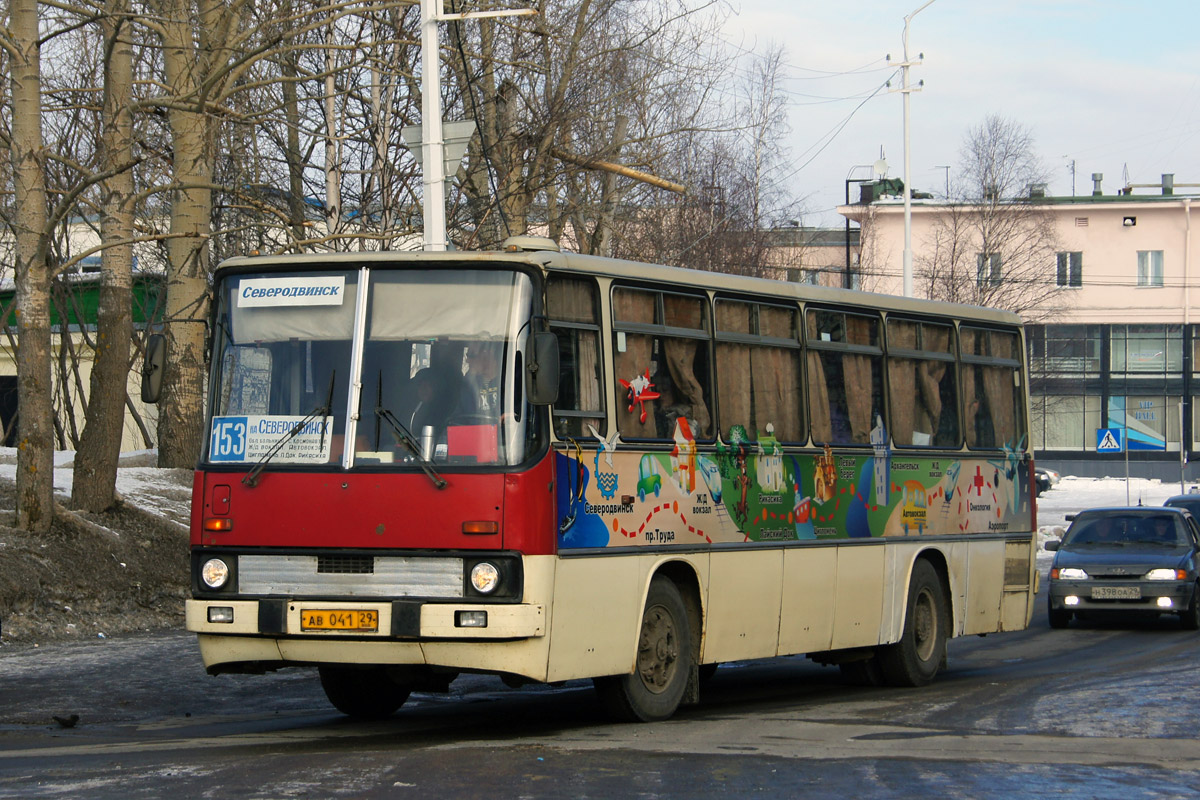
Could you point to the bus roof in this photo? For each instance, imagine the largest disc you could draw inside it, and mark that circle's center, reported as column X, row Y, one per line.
column 634, row 270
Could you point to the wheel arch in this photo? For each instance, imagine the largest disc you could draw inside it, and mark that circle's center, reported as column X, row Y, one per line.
column 686, row 579
column 683, row 574
column 937, row 559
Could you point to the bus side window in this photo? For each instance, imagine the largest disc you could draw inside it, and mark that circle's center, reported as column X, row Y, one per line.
column 572, row 306
column 845, row 377
column 991, row 396
column 921, row 382
column 661, row 361
column 758, row 371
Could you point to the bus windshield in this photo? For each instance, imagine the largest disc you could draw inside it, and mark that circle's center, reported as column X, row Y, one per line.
column 415, row 366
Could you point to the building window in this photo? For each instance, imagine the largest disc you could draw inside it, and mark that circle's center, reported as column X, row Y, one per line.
column 1070, row 269
column 1065, row 422
column 1150, row 422
column 1147, row 349
column 1150, row 267
column 1065, row 350
column 1195, row 422
column 988, row 269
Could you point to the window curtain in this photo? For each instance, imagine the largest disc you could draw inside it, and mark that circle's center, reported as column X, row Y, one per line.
column 571, row 301
column 734, row 375
column 818, row 398
column 633, row 361
column 776, row 391
column 998, row 387
column 902, row 381
column 687, row 312
column 860, row 389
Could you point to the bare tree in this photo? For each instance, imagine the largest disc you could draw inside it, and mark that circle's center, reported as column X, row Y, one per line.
column 94, row 484
column 993, row 244
column 35, row 430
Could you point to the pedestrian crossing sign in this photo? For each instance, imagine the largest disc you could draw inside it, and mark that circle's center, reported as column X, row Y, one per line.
column 1108, row 440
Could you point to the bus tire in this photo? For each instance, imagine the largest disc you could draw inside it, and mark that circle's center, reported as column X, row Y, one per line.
column 664, row 661
column 915, row 659
column 362, row 693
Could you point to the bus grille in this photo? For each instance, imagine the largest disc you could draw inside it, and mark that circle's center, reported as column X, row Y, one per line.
column 387, row 576
column 357, row 565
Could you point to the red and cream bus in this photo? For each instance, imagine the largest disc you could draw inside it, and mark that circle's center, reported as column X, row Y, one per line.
column 549, row 466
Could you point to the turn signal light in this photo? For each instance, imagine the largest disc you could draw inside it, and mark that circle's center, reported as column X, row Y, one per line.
column 218, row 524
column 481, row 527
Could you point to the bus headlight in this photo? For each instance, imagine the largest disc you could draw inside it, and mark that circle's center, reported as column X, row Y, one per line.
column 485, row 577
column 214, row 573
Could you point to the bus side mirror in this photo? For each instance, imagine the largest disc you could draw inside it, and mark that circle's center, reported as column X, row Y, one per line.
column 152, row 367
column 541, row 369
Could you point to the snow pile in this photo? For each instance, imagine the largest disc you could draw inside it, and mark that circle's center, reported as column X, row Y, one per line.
column 165, row 492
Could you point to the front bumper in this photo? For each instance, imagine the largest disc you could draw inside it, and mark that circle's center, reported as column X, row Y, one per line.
column 398, row 620
column 1105, row 595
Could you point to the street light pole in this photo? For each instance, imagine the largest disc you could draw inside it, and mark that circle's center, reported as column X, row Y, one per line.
column 906, row 90
column 433, row 144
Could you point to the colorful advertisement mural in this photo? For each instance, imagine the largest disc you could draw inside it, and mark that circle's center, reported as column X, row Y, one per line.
column 752, row 491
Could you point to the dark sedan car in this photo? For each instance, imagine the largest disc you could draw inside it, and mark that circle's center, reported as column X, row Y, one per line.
column 1127, row 559
column 1188, row 502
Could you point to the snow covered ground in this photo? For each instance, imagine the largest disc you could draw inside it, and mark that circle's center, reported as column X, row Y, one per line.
column 165, row 492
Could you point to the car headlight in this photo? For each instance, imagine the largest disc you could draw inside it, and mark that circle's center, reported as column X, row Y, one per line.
column 485, row 577
column 214, row 573
column 1163, row 574
column 1069, row 574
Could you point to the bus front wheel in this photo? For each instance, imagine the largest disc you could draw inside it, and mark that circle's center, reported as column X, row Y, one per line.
column 664, row 661
column 914, row 660
column 368, row 693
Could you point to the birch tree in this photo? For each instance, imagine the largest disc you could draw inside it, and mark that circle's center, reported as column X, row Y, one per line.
column 35, row 430
column 93, row 486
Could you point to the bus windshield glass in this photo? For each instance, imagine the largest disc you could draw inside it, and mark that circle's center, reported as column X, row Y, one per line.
column 415, row 366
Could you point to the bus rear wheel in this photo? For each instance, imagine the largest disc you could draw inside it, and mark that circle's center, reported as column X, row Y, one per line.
column 914, row 660
column 664, row 661
column 362, row 693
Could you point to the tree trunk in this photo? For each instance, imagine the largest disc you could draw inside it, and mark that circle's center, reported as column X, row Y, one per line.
column 94, row 483
column 35, row 429
column 181, row 412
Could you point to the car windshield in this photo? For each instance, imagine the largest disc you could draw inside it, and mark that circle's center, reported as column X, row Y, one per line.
column 310, row 358
column 1119, row 530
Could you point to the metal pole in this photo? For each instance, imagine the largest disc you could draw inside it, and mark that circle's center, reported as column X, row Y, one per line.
column 906, row 90
column 1125, row 446
column 433, row 170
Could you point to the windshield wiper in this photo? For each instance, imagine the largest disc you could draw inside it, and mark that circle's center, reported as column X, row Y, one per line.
column 406, row 438
column 251, row 477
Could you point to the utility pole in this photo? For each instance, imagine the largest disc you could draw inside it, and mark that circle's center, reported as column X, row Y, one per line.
column 906, row 89
column 433, row 145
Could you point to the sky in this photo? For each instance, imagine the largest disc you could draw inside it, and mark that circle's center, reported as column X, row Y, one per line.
column 1109, row 87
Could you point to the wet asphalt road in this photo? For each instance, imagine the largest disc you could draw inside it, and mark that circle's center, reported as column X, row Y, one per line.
column 1095, row 711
